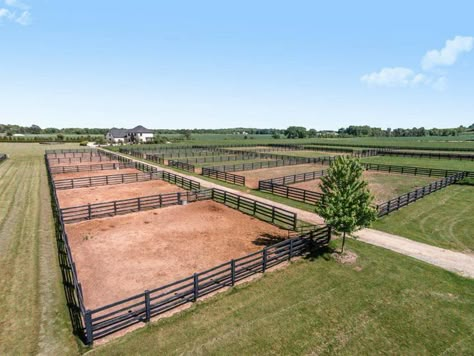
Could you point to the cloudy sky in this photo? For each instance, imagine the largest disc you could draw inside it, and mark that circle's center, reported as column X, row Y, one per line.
column 186, row 64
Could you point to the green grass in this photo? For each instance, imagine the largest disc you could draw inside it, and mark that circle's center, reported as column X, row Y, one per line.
column 34, row 317
column 386, row 303
column 422, row 162
column 444, row 219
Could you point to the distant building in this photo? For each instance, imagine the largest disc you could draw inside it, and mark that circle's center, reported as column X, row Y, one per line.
column 138, row 134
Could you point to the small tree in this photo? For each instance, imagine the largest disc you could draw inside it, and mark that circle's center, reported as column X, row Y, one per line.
column 346, row 202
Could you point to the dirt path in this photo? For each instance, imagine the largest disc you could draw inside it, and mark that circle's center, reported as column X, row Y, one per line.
column 457, row 262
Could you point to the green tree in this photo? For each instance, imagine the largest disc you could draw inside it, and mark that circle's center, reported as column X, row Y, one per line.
column 346, row 202
column 296, row 132
column 60, row 137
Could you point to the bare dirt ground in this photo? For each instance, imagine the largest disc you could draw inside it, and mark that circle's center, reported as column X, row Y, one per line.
column 124, row 255
column 105, row 172
column 53, row 162
column 384, row 186
column 252, row 177
column 104, row 193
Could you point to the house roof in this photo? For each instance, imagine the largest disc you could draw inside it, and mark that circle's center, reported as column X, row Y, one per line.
column 140, row 129
column 114, row 132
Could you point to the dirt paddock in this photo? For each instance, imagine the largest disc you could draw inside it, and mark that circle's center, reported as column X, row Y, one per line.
column 104, row 193
column 105, row 172
column 124, row 255
column 252, row 177
column 384, row 186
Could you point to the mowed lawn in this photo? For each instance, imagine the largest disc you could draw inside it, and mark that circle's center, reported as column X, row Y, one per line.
column 384, row 304
column 33, row 317
column 444, row 219
column 422, row 162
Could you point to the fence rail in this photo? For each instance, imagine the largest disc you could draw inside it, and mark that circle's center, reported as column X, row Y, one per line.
column 289, row 192
column 405, row 199
column 430, row 172
column 182, row 165
column 93, row 167
column 223, row 176
column 432, row 155
column 126, row 206
column 265, row 212
column 142, row 307
column 85, row 182
column 297, row 178
column 70, row 160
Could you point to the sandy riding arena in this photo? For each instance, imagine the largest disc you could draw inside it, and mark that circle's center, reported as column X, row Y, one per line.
column 120, row 256
column 104, row 193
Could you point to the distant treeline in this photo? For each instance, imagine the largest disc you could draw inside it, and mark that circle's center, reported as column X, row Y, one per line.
column 359, row 131
column 36, row 130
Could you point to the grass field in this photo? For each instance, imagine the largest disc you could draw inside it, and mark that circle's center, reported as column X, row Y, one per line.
column 444, row 219
column 33, row 316
column 385, row 303
column 422, row 162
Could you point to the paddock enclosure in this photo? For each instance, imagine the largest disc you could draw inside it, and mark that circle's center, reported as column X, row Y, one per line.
column 125, row 255
column 138, row 242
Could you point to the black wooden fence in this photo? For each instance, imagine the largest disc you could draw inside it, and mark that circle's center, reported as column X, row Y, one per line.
column 182, row 165
column 297, row 178
column 72, row 287
column 223, row 176
column 142, row 307
column 127, row 206
column 287, row 191
column 430, row 172
column 85, row 182
column 70, row 160
column 92, row 167
column 405, row 199
column 432, row 155
column 265, row 212
column 73, row 154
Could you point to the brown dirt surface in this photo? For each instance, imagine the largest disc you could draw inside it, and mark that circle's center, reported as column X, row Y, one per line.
column 104, row 193
column 252, row 177
column 53, row 163
column 124, row 255
column 105, row 172
column 384, row 186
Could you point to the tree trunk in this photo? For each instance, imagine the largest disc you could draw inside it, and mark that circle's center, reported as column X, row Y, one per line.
column 343, row 241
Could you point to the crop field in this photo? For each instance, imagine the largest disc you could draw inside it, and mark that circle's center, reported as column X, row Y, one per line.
column 383, row 186
column 444, row 219
column 422, row 162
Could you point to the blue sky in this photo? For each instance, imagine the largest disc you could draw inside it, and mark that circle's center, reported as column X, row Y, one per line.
column 187, row 64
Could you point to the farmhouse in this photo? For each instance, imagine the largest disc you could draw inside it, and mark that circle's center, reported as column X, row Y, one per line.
column 137, row 134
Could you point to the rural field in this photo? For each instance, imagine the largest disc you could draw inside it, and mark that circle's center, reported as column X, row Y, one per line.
column 419, row 308
column 34, row 318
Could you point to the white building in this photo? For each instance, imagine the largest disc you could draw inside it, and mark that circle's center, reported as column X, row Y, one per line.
column 138, row 134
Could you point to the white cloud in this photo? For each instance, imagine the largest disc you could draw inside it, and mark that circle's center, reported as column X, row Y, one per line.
column 5, row 14
column 449, row 54
column 22, row 18
column 394, row 77
column 17, row 4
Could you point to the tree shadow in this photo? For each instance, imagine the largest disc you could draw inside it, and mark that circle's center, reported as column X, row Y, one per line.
column 316, row 251
column 268, row 239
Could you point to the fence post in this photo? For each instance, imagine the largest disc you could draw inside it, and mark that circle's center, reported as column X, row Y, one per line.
column 147, row 306
column 232, row 272
column 196, row 287
column 89, row 332
column 290, row 251
column 89, row 210
column 264, row 262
